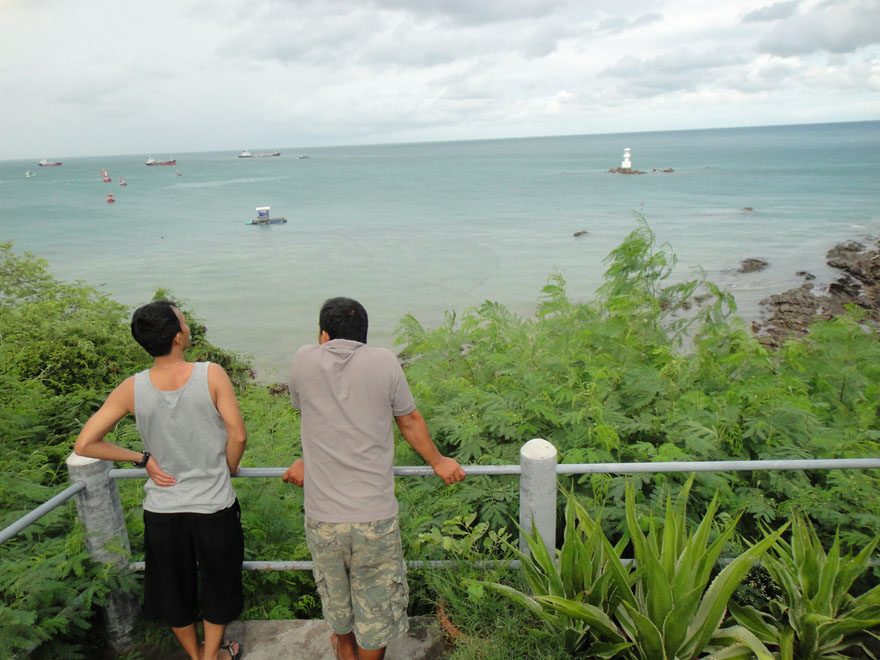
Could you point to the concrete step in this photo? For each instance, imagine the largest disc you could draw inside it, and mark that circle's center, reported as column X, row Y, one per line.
column 310, row 640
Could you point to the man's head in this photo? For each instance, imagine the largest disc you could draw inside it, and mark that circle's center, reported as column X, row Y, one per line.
column 155, row 325
column 344, row 318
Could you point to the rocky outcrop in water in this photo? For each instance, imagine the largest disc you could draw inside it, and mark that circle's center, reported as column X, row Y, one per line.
column 752, row 265
column 792, row 311
column 625, row 170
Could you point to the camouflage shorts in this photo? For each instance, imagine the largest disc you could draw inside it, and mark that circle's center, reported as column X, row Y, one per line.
column 361, row 578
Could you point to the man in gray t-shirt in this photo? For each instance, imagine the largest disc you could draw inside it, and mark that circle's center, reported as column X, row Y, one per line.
column 348, row 394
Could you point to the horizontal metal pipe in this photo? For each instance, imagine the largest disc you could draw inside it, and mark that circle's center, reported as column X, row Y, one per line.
column 400, row 471
column 586, row 468
column 40, row 511
column 717, row 466
column 307, row 564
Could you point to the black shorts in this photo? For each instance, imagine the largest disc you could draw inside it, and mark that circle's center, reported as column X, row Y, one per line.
column 191, row 552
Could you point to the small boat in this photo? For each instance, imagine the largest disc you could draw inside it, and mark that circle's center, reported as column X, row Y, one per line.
column 47, row 163
column 178, row 173
column 110, row 198
column 105, row 176
column 122, row 181
column 263, row 218
column 303, row 156
column 151, row 162
column 28, row 174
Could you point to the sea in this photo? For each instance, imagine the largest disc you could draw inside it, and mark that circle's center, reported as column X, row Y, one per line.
column 433, row 228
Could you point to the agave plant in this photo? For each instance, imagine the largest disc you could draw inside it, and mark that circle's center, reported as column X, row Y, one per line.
column 816, row 616
column 588, row 572
column 660, row 607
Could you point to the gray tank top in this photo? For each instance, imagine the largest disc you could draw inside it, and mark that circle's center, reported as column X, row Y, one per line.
column 185, row 433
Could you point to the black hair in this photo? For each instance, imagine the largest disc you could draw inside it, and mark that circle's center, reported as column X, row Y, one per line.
column 154, row 326
column 344, row 318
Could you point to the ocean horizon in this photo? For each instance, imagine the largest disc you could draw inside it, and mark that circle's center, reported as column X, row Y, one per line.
column 427, row 228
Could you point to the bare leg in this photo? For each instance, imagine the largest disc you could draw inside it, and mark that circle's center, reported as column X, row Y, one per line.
column 213, row 640
column 188, row 639
column 377, row 654
column 345, row 646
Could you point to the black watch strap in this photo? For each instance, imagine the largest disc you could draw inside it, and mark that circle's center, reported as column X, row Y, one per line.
column 143, row 462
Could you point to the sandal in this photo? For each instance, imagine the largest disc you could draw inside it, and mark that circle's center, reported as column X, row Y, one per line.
column 228, row 648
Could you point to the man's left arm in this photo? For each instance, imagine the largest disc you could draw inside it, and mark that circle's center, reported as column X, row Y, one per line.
column 415, row 431
column 227, row 406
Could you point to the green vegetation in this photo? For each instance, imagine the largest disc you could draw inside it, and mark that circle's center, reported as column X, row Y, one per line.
column 659, row 605
column 648, row 371
column 817, row 616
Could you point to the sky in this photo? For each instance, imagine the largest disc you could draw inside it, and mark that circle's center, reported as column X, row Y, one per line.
column 96, row 77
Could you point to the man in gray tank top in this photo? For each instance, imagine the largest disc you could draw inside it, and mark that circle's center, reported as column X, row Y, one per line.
column 348, row 394
column 194, row 436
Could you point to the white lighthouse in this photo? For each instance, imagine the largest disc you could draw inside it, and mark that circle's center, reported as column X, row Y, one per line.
column 627, row 162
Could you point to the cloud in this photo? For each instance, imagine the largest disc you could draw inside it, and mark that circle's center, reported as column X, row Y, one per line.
column 835, row 27
column 616, row 24
column 481, row 12
column 562, row 99
column 394, row 33
column 678, row 70
column 774, row 12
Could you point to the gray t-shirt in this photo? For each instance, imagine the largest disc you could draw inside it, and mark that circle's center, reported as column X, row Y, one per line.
column 348, row 395
column 185, row 433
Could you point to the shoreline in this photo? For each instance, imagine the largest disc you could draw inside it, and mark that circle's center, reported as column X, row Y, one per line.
column 787, row 315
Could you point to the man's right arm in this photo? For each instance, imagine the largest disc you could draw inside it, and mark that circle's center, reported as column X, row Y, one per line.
column 91, row 442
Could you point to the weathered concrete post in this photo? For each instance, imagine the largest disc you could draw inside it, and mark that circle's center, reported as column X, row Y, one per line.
column 537, row 492
column 100, row 512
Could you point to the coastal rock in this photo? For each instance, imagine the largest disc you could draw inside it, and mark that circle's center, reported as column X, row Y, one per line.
column 582, row 232
column 625, row 170
column 752, row 265
column 279, row 388
column 790, row 313
column 748, row 209
column 805, row 275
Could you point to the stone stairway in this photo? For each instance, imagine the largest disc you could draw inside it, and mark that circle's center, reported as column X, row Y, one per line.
column 310, row 640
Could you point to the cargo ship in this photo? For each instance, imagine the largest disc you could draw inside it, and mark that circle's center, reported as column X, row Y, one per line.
column 152, row 161
column 248, row 154
column 46, row 163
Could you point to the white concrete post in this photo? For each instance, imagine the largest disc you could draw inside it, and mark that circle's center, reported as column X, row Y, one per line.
column 100, row 512
column 537, row 492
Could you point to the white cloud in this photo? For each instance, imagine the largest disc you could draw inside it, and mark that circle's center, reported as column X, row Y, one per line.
column 774, row 12
column 615, row 24
column 842, row 26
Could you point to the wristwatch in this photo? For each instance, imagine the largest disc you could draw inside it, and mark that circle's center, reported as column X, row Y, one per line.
column 143, row 462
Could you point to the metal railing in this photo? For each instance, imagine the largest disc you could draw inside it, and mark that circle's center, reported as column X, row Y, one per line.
column 100, row 510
